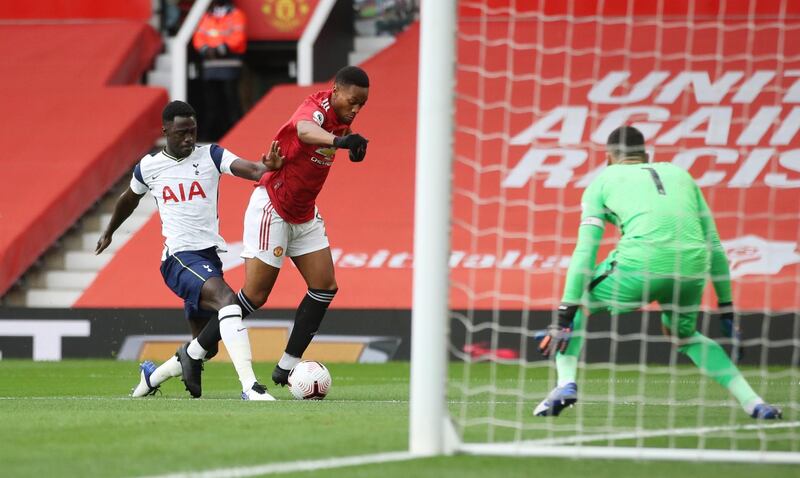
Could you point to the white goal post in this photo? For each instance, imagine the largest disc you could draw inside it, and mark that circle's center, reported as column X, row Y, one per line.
column 430, row 310
column 516, row 99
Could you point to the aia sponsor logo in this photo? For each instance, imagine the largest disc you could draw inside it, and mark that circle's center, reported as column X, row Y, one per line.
column 180, row 194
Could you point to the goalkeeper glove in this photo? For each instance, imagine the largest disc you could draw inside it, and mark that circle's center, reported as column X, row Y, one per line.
column 558, row 335
column 356, row 143
column 729, row 329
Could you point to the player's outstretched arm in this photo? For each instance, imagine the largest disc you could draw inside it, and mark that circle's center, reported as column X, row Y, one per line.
column 720, row 276
column 311, row 133
column 720, row 269
column 253, row 171
column 125, row 206
column 581, row 266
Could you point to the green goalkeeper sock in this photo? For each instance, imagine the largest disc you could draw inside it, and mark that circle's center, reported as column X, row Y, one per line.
column 567, row 362
column 712, row 360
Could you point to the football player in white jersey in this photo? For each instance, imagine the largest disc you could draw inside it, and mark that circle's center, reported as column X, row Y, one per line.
column 183, row 179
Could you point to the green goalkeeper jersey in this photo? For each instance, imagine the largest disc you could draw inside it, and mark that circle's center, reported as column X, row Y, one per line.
column 664, row 221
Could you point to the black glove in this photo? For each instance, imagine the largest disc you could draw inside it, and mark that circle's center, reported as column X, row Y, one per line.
column 357, row 155
column 558, row 335
column 728, row 328
column 356, row 143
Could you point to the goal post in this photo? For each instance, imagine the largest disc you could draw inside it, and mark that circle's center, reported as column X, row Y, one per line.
column 430, row 312
column 516, row 99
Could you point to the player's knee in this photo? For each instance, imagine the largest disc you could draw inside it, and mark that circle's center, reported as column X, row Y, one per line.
column 257, row 297
column 227, row 297
column 217, row 294
column 328, row 285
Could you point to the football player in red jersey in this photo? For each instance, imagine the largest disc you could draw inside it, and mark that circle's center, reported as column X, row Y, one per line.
column 282, row 218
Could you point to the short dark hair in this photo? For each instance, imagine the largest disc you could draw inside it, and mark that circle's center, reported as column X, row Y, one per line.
column 177, row 108
column 626, row 141
column 352, row 75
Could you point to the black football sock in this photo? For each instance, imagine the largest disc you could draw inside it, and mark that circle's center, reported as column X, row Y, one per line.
column 247, row 305
column 307, row 319
column 209, row 337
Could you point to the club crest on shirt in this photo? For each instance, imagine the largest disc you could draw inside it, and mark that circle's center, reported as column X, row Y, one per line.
column 319, row 118
column 278, row 251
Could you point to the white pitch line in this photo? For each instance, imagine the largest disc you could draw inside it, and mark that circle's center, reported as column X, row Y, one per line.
column 655, row 433
column 626, row 403
column 292, row 466
column 201, row 400
column 329, row 463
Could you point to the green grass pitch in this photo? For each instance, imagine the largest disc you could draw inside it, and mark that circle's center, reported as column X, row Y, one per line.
column 74, row 418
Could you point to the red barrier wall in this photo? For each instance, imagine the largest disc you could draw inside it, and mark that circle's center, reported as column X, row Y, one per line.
column 73, row 9
column 69, row 135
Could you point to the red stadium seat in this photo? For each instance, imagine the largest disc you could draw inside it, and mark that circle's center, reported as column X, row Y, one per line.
column 75, row 121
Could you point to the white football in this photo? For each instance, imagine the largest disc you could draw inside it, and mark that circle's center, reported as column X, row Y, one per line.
column 309, row 380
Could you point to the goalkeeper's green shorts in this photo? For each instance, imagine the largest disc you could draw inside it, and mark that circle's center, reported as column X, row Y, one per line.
column 617, row 290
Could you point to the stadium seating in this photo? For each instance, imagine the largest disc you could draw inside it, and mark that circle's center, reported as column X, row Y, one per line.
column 75, row 120
column 368, row 207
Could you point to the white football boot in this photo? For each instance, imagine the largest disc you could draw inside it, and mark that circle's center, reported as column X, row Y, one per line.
column 258, row 392
column 144, row 388
column 558, row 399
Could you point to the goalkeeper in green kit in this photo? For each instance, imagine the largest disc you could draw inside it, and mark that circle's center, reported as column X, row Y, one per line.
column 668, row 248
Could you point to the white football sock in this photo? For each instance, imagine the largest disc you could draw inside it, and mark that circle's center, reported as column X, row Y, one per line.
column 165, row 371
column 287, row 362
column 195, row 350
column 234, row 336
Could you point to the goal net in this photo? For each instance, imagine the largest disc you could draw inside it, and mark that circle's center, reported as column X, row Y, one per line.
column 714, row 86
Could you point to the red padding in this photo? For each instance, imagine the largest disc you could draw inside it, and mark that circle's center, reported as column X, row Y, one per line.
column 68, row 136
column 70, row 9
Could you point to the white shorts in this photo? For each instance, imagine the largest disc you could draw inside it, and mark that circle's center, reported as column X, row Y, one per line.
column 268, row 237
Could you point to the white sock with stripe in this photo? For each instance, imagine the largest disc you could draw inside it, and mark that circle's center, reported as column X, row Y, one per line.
column 165, row 371
column 237, row 341
column 195, row 350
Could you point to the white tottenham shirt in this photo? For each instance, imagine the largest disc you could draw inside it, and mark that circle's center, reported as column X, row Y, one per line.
column 185, row 191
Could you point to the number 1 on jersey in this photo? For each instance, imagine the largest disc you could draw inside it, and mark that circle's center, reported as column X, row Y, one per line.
column 657, row 180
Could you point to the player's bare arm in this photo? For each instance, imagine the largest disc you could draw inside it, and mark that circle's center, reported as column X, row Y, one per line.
column 311, row 133
column 124, row 207
column 253, row 171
